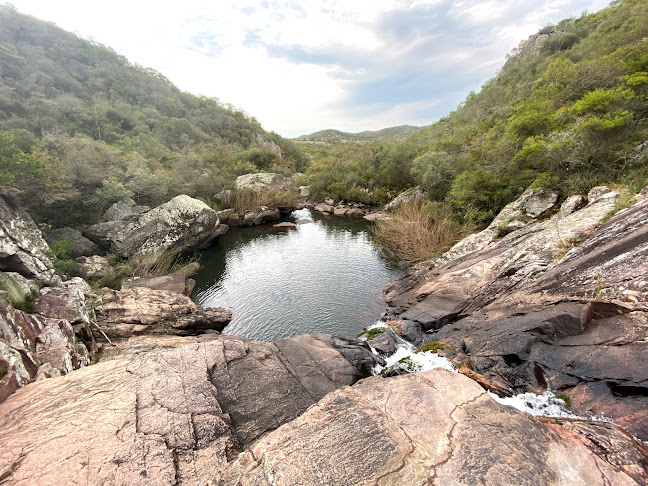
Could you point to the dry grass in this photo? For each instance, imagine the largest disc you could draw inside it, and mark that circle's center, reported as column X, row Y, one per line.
column 247, row 200
column 419, row 231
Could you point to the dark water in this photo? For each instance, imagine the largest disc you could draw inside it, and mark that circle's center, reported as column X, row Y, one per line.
column 325, row 276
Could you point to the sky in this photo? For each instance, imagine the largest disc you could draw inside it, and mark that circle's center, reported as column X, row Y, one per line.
column 303, row 66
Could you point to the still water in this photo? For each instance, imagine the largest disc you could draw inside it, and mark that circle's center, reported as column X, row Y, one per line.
column 324, row 276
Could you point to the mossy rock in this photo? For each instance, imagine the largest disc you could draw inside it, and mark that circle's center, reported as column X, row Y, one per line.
column 369, row 334
column 435, row 347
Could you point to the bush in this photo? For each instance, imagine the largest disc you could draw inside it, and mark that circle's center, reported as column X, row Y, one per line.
column 478, row 196
column 419, row 231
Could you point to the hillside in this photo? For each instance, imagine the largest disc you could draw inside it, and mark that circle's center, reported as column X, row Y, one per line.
column 105, row 128
column 567, row 110
column 332, row 135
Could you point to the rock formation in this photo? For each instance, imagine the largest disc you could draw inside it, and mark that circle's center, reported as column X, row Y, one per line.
column 181, row 224
column 22, row 247
column 559, row 302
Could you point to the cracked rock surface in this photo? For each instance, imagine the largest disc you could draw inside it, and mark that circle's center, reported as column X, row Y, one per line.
column 168, row 417
column 437, row 428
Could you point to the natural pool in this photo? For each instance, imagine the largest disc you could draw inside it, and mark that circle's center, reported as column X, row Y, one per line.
column 324, row 276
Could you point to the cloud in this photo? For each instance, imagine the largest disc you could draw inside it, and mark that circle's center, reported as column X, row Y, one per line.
column 303, row 66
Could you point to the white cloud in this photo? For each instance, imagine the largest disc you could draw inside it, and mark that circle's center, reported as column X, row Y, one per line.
column 302, row 66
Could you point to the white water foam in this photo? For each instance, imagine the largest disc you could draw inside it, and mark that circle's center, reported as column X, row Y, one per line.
column 301, row 214
column 547, row 404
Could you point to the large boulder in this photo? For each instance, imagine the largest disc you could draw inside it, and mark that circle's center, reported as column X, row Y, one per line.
column 263, row 182
column 142, row 310
column 80, row 246
column 167, row 417
column 434, row 428
column 22, row 247
column 179, row 225
column 405, row 197
column 125, row 210
column 177, row 283
column 34, row 347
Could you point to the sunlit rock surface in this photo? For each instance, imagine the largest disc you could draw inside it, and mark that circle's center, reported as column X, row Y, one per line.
column 168, row 417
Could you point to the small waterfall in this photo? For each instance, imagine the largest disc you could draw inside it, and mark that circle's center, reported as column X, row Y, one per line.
column 302, row 215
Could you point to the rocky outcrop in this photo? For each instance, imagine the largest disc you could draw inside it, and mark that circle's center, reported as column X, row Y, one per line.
column 142, row 310
column 255, row 217
column 434, row 428
column 80, row 246
column 263, row 182
column 405, row 197
column 176, row 226
column 22, row 247
column 125, row 210
column 33, row 347
column 94, row 266
column 171, row 417
column 177, row 283
column 559, row 302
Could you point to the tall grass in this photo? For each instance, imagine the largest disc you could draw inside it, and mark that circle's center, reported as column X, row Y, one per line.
column 419, row 231
column 247, row 200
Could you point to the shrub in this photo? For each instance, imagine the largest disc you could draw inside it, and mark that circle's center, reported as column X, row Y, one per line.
column 419, row 231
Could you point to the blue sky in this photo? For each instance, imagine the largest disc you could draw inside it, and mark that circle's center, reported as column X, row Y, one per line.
column 303, row 66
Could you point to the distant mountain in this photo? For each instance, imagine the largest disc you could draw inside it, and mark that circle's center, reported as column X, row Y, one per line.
column 331, row 135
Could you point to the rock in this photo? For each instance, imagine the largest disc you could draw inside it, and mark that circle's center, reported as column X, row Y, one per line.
column 409, row 330
column 384, row 343
column 323, row 208
column 377, row 217
column 285, row 224
column 140, row 310
column 189, row 269
column 177, row 283
column 22, row 247
column 263, row 182
column 125, row 210
column 80, row 245
column 167, row 417
column 436, row 427
column 340, row 211
column 66, row 301
column 176, row 226
column 18, row 288
column 355, row 212
column 31, row 345
column 596, row 193
column 406, row 197
column 539, row 203
column 330, row 202
column 304, row 191
column 93, row 266
column 571, row 204
column 260, row 215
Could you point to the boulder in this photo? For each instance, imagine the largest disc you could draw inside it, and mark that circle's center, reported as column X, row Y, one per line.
column 94, row 266
column 22, row 247
column 263, row 182
column 33, row 346
column 141, row 310
column 18, row 288
column 340, row 211
column 377, row 216
column 406, row 197
column 436, row 427
column 67, row 301
column 124, row 210
column 175, row 416
column 260, row 215
column 285, row 225
column 174, row 227
column 305, row 192
column 323, row 208
column 177, row 283
column 80, row 245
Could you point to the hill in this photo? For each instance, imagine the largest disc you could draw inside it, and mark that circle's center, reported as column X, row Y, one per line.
column 105, row 128
column 567, row 110
column 332, row 135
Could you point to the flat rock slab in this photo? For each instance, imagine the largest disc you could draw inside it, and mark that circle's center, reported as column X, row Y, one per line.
column 173, row 417
column 436, row 427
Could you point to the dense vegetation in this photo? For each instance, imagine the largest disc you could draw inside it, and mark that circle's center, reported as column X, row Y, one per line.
column 567, row 111
column 96, row 128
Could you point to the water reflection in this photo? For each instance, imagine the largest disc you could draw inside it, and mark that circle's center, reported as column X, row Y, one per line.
column 320, row 277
